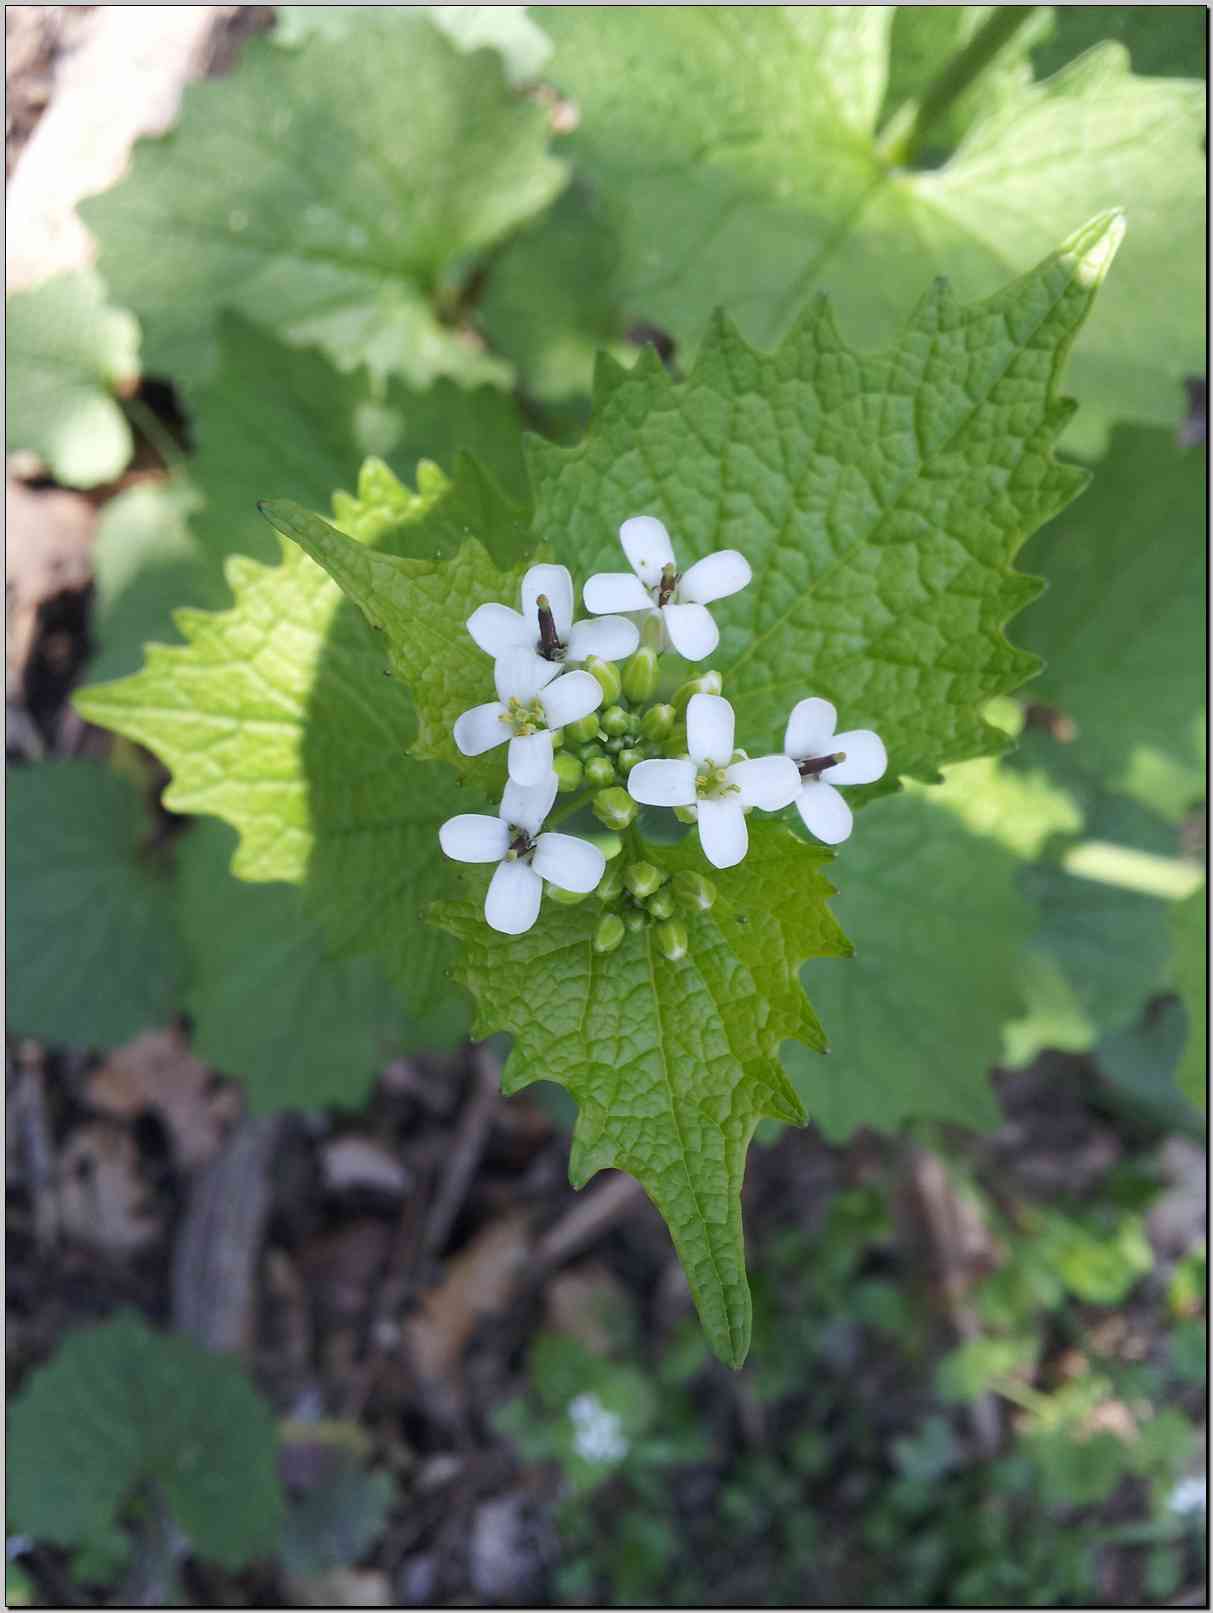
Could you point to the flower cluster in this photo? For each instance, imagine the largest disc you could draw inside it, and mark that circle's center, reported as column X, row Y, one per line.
column 573, row 720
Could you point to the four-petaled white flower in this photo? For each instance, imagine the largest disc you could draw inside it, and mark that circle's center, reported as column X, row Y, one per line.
column 714, row 784
column 533, row 700
column 655, row 586
column 525, row 857
column 545, row 625
column 824, row 759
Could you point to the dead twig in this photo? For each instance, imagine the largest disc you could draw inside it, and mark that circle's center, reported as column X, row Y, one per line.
column 474, row 1126
column 36, row 1146
column 594, row 1213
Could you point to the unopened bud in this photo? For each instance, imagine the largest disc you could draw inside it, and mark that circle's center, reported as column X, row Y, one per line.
column 568, row 772
column 566, row 898
column 705, row 683
column 614, row 808
column 627, row 759
column 686, row 814
column 694, row 893
column 590, row 753
column 609, row 845
column 558, row 739
column 609, row 934
column 661, row 904
column 640, row 675
column 642, row 879
column 652, row 632
column 608, row 677
column 658, row 722
column 635, row 919
column 585, row 728
column 615, row 722
column 672, row 939
column 610, row 885
column 600, row 772
column 614, row 745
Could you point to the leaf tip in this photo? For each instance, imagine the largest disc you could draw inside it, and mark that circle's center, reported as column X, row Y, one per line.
column 1092, row 248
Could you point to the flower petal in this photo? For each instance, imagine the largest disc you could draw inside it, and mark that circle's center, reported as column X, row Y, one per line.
column 530, row 759
column 573, row 864
column 570, row 698
column 716, row 576
column 474, row 838
column 866, row 757
column 609, row 591
column 692, row 631
column 611, row 638
column 557, row 584
column 810, row 729
column 769, row 782
column 710, row 729
column 520, row 674
column 512, row 902
column 648, row 548
column 497, row 630
column 526, row 806
column 662, row 783
column 722, row 832
column 481, row 728
column 824, row 811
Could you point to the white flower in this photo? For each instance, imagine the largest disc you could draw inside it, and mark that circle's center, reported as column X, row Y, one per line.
column 654, row 586
column 547, row 629
column 711, row 781
column 533, row 701
column 598, row 1435
column 524, row 856
column 1190, row 1497
column 824, row 759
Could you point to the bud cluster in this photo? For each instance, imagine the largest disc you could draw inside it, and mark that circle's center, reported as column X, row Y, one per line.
column 639, row 894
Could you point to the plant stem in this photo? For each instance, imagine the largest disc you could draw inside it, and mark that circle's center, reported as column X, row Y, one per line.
column 956, row 76
column 575, row 805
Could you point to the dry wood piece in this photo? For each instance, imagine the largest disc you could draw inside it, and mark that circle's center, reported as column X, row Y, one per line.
column 102, row 1196
column 157, row 1071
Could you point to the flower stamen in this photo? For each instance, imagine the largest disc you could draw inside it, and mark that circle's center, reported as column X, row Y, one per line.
column 667, row 585
column 812, row 766
column 550, row 646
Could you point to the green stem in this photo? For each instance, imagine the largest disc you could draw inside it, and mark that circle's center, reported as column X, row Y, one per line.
column 157, row 435
column 955, row 78
column 568, row 809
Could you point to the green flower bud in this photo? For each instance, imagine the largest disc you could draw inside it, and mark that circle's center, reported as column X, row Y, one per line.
column 686, row 814
column 705, row 683
column 599, row 772
column 608, row 677
column 635, row 919
column 615, row 808
column 558, row 739
column 676, row 744
column 615, row 722
column 614, row 745
column 627, row 759
column 610, row 885
column 609, row 934
column 590, row 753
column 694, row 893
column 609, row 845
column 585, row 728
column 672, row 939
column 568, row 772
column 642, row 879
column 640, row 675
column 661, row 904
column 658, row 722
column 566, row 898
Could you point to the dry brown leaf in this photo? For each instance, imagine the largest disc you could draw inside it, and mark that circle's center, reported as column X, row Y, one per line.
column 581, row 1303
column 480, row 1281
column 48, row 539
column 157, row 1071
column 343, row 1587
column 102, row 1198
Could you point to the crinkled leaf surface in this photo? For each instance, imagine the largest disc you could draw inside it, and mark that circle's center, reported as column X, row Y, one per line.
column 267, row 1000
column 275, row 715
column 95, row 957
column 1122, row 625
column 1190, row 967
column 672, row 1064
column 735, row 150
column 329, row 193
column 120, row 1405
column 880, row 498
column 914, row 1019
column 68, row 352
column 523, row 44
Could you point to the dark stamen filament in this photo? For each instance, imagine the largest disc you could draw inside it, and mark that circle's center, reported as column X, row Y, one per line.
column 550, row 646
column 521, row 843
column 669, row 581
column 813, row 765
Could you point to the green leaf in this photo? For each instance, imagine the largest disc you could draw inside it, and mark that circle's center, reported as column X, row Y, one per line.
column 338, row 195
column 120, row 1406
column 1189, row 932
column 1163, row 41
column 735, row 151
column 92, row 903
column 1122, row 626
column 939, row 928
column 880, row 498
column 275, row 716
column 68, row 353
column 672, row 1064
column 523, row 44
column 338, row 1522
column 269, row 1003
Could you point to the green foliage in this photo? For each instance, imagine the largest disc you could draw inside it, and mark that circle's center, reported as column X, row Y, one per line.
column 881, row 500
column 324, row 207
column 1163, row 41
column 735, row 157
column 523, row 44
column 671, row 1064
column 122, row 1408
column 1190, row 936
column 337, row 1522
column 91, row 902
column 68, row 353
